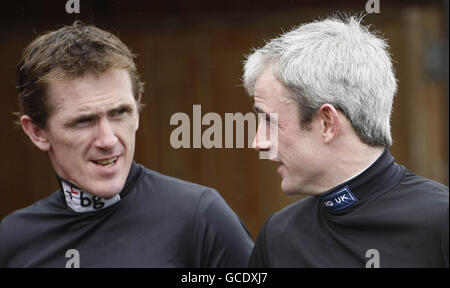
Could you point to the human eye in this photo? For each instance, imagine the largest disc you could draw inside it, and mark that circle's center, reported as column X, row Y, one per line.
column 261, row 114
column 120, row 112
column 83, row 121
column 265, row 118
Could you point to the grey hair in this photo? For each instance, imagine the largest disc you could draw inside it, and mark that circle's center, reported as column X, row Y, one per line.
column 333, row 61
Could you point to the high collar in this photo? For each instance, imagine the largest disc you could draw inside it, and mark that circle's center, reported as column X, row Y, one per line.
column 74, row 198
column 380, row 177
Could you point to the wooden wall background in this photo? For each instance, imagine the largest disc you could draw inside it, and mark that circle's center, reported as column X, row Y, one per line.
column 191, row 53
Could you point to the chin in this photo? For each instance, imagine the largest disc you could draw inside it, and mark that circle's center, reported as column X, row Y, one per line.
column 288, row 190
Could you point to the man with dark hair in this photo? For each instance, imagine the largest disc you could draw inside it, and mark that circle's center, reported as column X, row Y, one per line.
column 331, row 85
column 79, row 94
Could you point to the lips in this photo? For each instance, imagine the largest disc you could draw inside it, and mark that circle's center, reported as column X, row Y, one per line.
column 106, row 162
column 280, row 168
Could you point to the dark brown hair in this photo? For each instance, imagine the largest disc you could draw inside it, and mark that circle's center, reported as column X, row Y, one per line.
column 69, row 52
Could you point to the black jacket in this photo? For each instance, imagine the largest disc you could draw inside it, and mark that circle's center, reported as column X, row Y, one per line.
column 385, row 217
column 159, row 222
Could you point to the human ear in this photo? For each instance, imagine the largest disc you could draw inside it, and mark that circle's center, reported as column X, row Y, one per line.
column 330, row 123
column 138, row 105
column 137, row 122
column 36, row 134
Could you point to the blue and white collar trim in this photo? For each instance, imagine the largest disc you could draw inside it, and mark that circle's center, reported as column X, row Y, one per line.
column 338, row 200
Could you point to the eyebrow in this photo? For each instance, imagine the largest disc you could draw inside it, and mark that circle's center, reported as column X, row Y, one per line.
column 258, row 110
column 94, row 116
column 126, row 107
column 79, row 118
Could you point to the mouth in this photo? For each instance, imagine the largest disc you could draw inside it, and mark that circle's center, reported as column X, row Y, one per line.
column 107, row 162
column 280, row 167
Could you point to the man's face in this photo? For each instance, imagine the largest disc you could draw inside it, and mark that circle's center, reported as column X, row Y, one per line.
column 92, row 130
column 298, row 150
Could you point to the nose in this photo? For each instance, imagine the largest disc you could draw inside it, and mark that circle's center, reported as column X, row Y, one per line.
column 262, row 142
column 105, row 138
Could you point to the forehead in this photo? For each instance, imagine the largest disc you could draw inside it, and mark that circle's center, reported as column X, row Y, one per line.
column 90, row 92
column 270, row 92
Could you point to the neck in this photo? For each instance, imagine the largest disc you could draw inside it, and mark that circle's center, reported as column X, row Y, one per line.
column 380, row 177
column 348, row 161
column 80, row 200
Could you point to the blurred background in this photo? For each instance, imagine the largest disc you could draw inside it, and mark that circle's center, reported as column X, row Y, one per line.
column 191, row 52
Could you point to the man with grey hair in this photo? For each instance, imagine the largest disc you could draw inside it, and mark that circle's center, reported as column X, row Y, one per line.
column 331, row 85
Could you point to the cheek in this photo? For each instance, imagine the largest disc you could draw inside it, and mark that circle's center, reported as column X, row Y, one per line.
column 294, row 152
column 132, row 127
column 287, row 142
column 127, row 131
column 131, row 123
column 70, row 143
